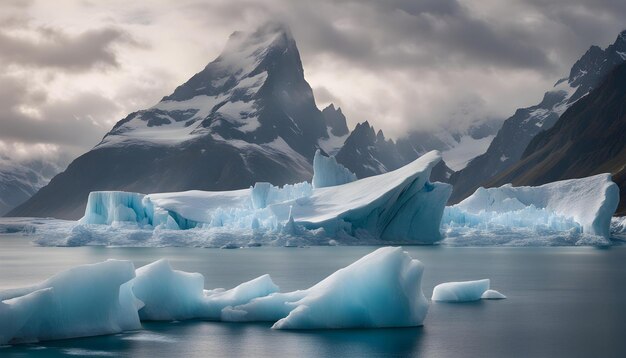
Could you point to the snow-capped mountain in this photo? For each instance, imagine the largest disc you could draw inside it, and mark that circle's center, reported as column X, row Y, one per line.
column 588, row 139
column 518, row 130
column 19, row 180
column 457, row 146
column 367, row 152
column 336, row 129
column 248, row 116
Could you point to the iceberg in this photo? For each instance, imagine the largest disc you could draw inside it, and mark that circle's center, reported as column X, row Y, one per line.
column 327, row 172
column 382, row 289
column 83, row 301
column 464, row 291
column 577, row 208
column 170, row 295
column 492, row 295
column 401, row 206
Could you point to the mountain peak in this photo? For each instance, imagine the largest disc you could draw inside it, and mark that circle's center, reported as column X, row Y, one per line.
column 335, row 120
column 268, row 35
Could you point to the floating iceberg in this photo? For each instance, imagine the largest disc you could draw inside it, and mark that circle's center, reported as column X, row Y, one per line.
column 570, row 211
column 382, row 289
column 83, row 301
column 464, row 291
column 492, row 295
column 327, row 172
column 170, row 295
column 401, row 206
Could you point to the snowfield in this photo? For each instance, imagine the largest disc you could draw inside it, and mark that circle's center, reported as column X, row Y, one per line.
column 382, row 289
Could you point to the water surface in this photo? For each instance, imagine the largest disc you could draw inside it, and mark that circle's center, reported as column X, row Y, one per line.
column 563, row 302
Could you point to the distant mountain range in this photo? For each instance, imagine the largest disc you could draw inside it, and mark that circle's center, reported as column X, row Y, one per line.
column 250, row 116
column 507, row 147
column 588, row 139
column 19, row 180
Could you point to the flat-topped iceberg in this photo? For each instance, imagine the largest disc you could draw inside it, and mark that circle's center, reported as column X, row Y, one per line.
column 401, row 206
column 382, row 289
column 575, row 209
column 464, row 291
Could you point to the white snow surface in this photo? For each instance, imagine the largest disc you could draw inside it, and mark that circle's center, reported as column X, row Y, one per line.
column 468, row 148
column 399, row 206
column 575, row 211
column 464, row 291
column 327, row 172
column 333, row 143
column 382, row 289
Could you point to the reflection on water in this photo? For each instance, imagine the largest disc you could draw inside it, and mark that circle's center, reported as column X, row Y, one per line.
column 563, row 302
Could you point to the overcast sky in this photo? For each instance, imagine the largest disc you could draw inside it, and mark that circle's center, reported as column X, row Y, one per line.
column 70, row 69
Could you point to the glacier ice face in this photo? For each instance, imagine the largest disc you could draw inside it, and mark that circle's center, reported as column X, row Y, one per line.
column 105, row 207
column 327, row 172
column 83, row 301
column 382, row 289
column 464, row 291
column 170, row 295
column 570, row 211
column 401, row 206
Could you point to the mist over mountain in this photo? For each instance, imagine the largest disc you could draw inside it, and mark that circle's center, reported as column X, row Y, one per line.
column 509, row 144
column 588, row 139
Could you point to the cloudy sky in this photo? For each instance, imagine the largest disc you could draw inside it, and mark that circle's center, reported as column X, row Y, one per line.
column 70, row 69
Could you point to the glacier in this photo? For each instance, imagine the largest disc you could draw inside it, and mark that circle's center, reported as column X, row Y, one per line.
column 401, row 206
column 382, row 289
column 574, row 211
column 464, row 291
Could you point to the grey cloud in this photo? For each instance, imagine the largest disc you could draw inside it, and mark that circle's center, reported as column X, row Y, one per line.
column 72, row 124
column 428, row 62
column 59, row 50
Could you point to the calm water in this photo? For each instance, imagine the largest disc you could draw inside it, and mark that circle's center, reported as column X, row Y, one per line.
column 563, row 302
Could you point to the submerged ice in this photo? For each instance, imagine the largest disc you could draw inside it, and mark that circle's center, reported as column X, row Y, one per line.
column 382, row 289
